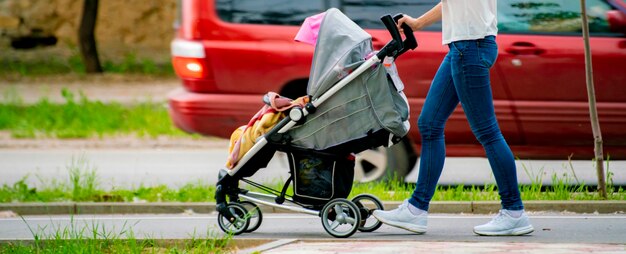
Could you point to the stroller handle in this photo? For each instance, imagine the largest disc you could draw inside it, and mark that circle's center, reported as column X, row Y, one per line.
column 409, row 42
column 396, row 46
column 391, row 26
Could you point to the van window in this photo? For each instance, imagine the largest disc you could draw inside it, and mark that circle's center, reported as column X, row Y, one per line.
column 270, row 12
column 366, row 13
column 551, row 16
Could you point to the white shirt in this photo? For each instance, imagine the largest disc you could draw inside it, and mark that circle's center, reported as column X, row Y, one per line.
column 468, row 19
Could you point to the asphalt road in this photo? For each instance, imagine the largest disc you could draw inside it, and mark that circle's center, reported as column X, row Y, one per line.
column 126, row 167
column 549, row 228
column 123, row 167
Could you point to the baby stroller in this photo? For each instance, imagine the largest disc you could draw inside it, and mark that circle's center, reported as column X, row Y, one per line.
column 355, row 103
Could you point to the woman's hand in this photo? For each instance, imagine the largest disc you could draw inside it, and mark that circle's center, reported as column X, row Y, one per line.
column 414, row 23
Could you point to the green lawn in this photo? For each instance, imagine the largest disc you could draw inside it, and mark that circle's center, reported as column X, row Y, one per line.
column 80, row 117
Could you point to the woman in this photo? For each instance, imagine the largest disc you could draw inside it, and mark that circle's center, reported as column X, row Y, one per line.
column 469, row 30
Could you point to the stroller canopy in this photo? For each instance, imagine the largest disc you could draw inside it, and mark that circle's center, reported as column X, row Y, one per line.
column 368, row 104
column 340, row 43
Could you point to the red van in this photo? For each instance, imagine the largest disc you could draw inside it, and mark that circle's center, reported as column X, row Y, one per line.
column 229, row 53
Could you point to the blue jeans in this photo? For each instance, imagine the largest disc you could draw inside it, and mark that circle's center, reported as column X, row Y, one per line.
column 464, row 77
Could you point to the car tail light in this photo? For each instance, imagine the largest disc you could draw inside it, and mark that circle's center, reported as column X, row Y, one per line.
column 189, row 67
column 188, row 58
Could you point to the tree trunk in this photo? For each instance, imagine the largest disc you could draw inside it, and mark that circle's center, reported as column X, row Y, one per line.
column 86, row 38
column 593, row 111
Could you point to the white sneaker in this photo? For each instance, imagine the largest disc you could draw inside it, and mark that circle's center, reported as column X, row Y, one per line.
column 401, row 217
column 503, row 224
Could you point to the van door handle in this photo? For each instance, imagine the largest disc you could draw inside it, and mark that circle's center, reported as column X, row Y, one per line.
column 524, row 48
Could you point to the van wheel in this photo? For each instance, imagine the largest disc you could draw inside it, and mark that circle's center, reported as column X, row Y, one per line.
column 382, row 163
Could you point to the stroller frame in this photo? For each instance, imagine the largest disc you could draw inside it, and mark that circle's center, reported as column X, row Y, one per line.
column 336, row 214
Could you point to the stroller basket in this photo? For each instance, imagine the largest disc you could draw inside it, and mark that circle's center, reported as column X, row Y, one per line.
column 319, row 178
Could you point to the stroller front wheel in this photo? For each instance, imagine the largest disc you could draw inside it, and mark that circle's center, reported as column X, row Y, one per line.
column 341, row 218
column 236, row 225
column 367, row 203
column 256, row 217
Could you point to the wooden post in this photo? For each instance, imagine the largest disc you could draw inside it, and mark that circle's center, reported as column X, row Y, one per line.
column 86, row 39
column 593, row 111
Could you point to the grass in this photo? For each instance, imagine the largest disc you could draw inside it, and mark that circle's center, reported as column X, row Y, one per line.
column 43, row 66
column 560, row 189
column 82, row 185
column 95, row 238
column 84, row 118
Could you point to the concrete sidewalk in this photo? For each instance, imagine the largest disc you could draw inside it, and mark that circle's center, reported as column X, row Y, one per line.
column 289, row 246
column 437, row 241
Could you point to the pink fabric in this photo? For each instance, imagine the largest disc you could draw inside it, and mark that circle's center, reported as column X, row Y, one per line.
column 310, row 29
column 280, row 103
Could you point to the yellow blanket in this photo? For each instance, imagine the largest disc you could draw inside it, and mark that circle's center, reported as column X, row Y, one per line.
column 244, row 137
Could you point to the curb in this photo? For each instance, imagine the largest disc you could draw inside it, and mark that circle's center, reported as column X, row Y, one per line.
column 468, row 207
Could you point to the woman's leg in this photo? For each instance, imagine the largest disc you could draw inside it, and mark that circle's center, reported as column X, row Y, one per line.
column 441, row 101
column 470, row 71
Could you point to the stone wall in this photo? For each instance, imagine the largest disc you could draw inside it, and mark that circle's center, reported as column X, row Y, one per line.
column 141, row 27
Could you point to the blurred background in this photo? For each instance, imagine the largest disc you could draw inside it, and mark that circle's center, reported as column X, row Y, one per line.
column 41, row 37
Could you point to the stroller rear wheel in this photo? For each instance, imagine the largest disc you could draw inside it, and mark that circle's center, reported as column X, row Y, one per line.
column 239, row 222
column 256, row 217
column 340, row 217
column 367, row 204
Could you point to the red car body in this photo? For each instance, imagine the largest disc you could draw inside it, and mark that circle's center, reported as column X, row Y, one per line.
column 538, row 81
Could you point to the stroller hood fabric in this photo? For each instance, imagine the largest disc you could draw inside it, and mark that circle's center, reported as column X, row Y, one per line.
column 340, row 43
column 367, row 104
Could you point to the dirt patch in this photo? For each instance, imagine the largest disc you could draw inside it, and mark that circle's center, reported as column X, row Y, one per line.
column 106, row 88
column 7, row 214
